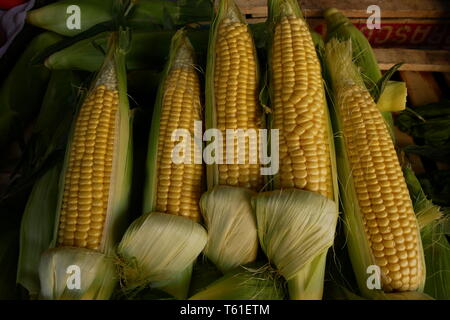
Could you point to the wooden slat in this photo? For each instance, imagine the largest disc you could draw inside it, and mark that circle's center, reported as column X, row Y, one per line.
column 422, row 87
column 414, row 60
column 352, row 8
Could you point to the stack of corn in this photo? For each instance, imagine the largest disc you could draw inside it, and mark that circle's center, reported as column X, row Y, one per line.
column 94, row 191
column 232, row 104
column 296, row 223
column 160, row 247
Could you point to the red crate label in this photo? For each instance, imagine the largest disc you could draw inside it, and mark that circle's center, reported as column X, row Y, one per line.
column 404, row 34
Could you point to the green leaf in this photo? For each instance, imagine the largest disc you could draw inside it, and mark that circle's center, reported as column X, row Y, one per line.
column 382, row 82
column 37, row 229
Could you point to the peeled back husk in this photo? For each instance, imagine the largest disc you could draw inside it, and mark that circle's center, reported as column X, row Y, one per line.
column 158, row 247
column 76, row 274
column 231, row 224
column 295, row 229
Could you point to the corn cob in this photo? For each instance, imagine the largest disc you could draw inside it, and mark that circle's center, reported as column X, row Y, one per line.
column 299, row 109
column 179, row 185
column 382, row 193
column 236, row 100
column 376, row 198
column 95, row 187
column 88, row 175
column 302, row 206
column 161, row 246
column 232, row 104
column 340, row 27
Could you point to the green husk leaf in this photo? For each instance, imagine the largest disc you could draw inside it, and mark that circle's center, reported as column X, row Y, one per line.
column 54, row 16
column 17, row 108
column 46, row 145
column 144, row 14
column 435, row 244
column 252, row 282
column 384, row 80
column 231, row 225
column 49, row 137
column 393, row 98
column 437, row 255
column 51, row 128
column 203, row 274
column 85, row 54
column 37, row 229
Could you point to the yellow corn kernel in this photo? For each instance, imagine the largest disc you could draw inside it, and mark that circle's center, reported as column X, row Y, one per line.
column 364, row 130
column 80, row 197
column 299, row 109
column 236, row 101
column 181, row 108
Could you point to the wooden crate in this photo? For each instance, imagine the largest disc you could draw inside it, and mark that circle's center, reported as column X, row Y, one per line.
column 406, row 23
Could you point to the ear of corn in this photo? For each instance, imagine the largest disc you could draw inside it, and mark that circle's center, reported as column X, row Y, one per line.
column 308, row 196
column 87, row 54
column 146, row 14
column 49, row 134
column 180, row 89
column 232, row 95
column 232, row 82
column 94, row 187
column 160, row 247
column 382, row 229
